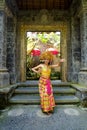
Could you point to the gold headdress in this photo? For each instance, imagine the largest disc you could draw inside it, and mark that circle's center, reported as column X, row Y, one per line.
column 46, row 56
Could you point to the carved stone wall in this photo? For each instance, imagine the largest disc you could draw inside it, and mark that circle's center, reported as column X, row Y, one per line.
column 11, row 49
column 4, row 75
column 83, row 25
column 8, row 59
column 74, row 58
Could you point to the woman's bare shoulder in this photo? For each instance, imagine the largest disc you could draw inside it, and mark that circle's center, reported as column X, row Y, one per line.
column 40, row 65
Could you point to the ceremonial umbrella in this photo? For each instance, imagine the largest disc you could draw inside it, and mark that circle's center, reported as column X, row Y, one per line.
column 54, row 51
column 35, row 52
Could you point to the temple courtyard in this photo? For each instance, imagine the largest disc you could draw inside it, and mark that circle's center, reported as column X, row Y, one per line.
column 30, row 117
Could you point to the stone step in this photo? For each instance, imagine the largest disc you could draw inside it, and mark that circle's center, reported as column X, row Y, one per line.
column 34, row 90
column 35, row 84
column 28, row 93
column 35, row 99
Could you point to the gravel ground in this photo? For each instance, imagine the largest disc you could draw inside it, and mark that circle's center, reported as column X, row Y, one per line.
column 30, row 117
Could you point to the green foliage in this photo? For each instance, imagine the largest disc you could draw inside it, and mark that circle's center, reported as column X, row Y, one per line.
column 29, row 61
column 42, row 38
column 31, row 75
column 55, row 75
column 52, row 37
column 32, row 42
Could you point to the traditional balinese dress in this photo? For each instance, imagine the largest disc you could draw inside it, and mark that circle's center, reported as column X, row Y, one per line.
column 45, row 90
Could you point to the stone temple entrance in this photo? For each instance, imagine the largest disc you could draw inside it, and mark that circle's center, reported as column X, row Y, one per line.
column 18, row 17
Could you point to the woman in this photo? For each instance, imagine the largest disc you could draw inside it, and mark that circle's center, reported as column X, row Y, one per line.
column 45, row 86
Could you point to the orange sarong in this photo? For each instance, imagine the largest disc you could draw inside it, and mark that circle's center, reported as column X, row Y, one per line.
column 46, row 94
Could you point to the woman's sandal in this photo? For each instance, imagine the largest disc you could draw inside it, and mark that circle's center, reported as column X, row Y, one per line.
column 47, row 113
column 51, row 112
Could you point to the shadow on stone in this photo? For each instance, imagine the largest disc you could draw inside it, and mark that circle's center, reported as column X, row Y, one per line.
column 3, row 102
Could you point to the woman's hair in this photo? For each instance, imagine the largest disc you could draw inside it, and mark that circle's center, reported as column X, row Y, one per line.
column 46, row 56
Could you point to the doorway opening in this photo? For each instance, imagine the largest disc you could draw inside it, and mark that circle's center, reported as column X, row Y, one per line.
column 38, row 42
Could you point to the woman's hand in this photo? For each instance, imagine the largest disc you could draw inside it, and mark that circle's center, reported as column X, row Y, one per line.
column 62, row 60
column 34, row 70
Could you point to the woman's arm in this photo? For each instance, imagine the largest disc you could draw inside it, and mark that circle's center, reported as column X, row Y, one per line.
column 59, row 64
column 37, row 69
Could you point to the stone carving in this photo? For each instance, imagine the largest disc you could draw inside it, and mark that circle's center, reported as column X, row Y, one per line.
column 44, row 17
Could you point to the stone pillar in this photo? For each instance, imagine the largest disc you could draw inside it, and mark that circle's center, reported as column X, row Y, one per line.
column 11, row 48
column 22, row 53
column 4, row 75
column 83, row 27
column 74, row 58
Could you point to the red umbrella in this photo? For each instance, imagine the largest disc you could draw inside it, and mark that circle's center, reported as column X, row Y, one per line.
column 35, row 52
column 53, row 51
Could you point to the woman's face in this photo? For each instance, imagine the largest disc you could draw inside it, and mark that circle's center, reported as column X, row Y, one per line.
column 46, row 61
